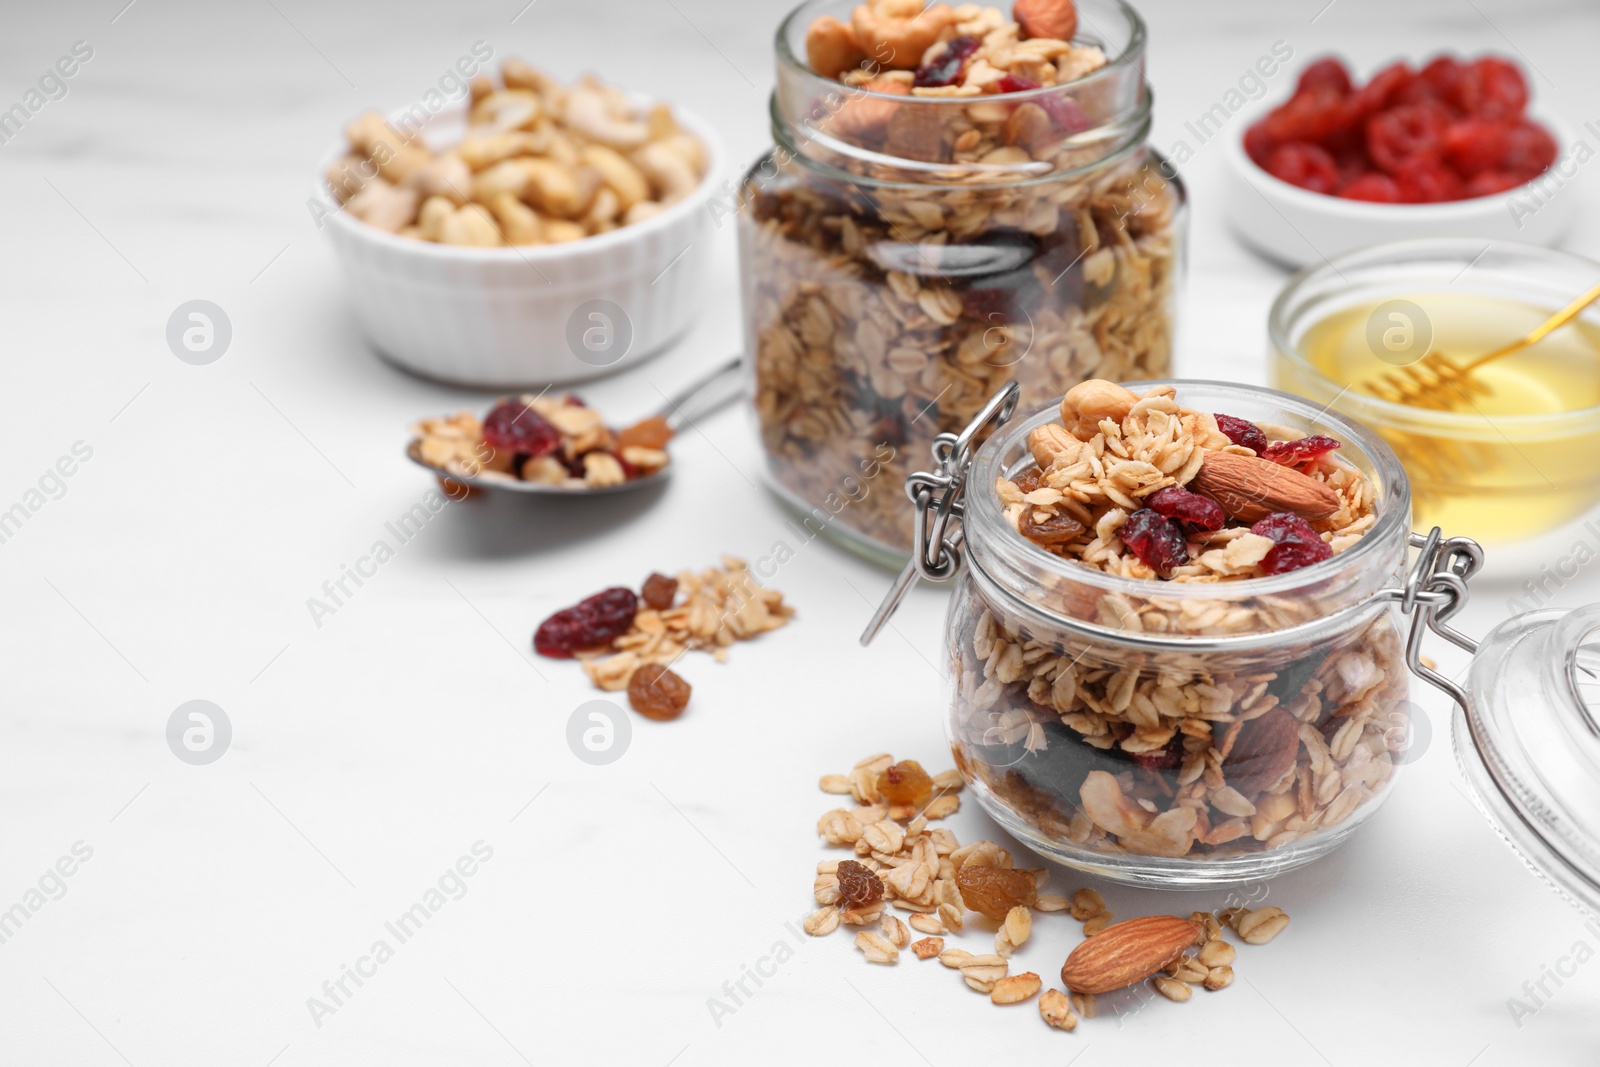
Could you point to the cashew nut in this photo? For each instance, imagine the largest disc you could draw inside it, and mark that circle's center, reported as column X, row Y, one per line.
column 508, row 176
column 519, row 223
column 624, row 179
column 644, row 209
column 396, row 156
column 670, row 174
column 348, row 174
column 507, row 109
column 558, row 190
column 896, row 33
column 487, row 150
column 444, row 175
column 560, row 231
column 519, row 75
column 430, row 219
column 471, row 225
column 383, row 205
column 832, row 48
column 591, row 114
column 603, row 211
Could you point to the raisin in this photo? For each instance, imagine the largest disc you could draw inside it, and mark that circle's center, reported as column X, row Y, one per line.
column 858, row 886
column 905, row 783
column 592, row 623
column 512, row 426
column 646, row 433
column 1375, row 188
column 1176, row 502
column 1301, row 450
column 1155, row 540
column 659, row 591
column 1296, row 543
column 946, row 68
column 1327, row 73
column 657, row 693
column 1028, row 481
column 1057, row 530
column 994, row 891
column 1306, row 165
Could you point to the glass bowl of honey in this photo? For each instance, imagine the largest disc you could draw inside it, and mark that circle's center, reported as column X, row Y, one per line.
column 1507, row 451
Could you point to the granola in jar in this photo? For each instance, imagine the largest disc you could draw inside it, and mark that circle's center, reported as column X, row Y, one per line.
column 1171, row 662
column 956, row 200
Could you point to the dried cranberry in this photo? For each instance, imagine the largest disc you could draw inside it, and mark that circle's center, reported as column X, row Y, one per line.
column 593, row 623
column 1302, row 450
column 1306, row 165
column 1424, row 181
column 1168, row 758
column 1444, row 74
column 1258, row 144
column 1493, row 182
column 1472, row 146
column 1015, row 83
column 1296, row 544
column 1157, row 541
column 512, row 426
column 1377, row 188
column 1242, row 432
column 1379, row 93
column 1065, row 114
column 1401, row 134
column 946, row 67
column 1329, row 72
column 1529, row 149
column 1492, row 88
column 1176, row 502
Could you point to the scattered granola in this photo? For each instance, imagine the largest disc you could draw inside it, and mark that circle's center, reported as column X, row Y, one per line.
column 550, row 440
column 918, row 870
column 541, row 163
column 708, row 611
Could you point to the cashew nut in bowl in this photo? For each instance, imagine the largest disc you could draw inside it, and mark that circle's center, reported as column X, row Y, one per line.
column 540, row 163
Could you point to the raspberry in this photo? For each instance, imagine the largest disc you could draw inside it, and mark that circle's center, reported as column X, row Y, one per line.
column 1493, row 182
column 1444, row 74
column 1379, row 93
column 1176, row 502
column 592, row 623
column 1472, row 146
column 1296, row 543
column 1529, row 149
column 1377, row 188
column 1311, row 117
column 1242, row 432
column 1156, row 540
column 1258, row 144
column 946, row 67
column 1423, row 181
column 1306, row 165
column 1299, row 451
column 512, row 426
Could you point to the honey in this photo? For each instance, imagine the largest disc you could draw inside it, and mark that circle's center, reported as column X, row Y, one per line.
column 1520, row 456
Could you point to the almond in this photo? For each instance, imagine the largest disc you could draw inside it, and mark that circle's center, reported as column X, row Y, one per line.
column 1127, row 952
column 1056, row 20
column 1263, row 752
column 1250, row 488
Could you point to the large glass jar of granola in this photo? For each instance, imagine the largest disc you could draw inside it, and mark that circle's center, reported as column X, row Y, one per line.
column 1174, row 652
column 954, row 201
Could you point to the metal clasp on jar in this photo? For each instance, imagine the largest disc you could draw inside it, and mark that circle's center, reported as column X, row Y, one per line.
column 938, row 496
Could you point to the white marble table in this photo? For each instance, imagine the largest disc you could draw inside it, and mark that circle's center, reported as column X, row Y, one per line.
column 370, row 754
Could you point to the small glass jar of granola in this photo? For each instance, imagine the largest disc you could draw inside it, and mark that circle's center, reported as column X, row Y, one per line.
column 958, row 197
column 1175, row 654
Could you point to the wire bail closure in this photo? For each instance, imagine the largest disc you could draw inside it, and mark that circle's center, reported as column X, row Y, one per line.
column 939, row 497
column 1435, row 589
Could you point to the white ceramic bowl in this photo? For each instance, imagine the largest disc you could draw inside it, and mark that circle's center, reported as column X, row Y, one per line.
column 1299, row 228
column 529, row 315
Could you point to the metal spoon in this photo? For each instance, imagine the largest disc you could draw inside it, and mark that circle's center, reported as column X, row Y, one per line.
column 705, row 394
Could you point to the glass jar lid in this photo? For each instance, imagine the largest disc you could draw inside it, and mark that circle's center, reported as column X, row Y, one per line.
column 1528, row 739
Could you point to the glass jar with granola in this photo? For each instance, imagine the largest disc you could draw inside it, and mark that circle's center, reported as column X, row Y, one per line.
column 1174, row 650
column 957, row 198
